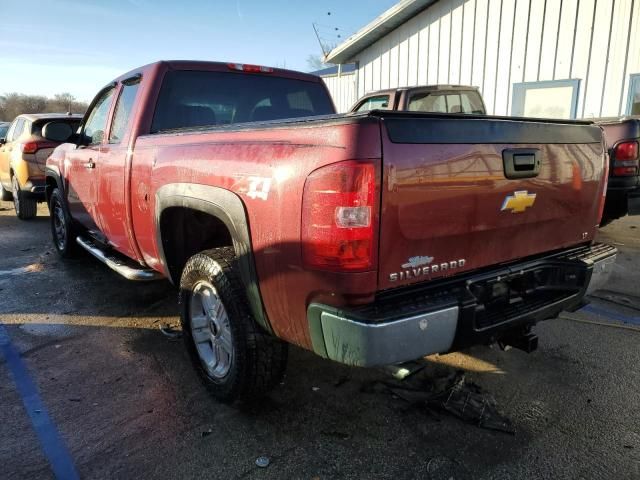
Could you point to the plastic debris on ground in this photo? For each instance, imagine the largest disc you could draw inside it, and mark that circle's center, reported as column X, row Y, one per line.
column 170, row 332
column 451, row 394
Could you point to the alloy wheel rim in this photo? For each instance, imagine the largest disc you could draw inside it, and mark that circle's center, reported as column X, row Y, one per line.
column 211, row 330
column 59, row 226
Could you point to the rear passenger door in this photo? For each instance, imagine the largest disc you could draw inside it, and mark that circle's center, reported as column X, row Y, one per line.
column 84, row 169
column 114, row 168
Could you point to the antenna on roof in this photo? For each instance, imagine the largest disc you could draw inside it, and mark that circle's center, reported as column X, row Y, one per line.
column 315, row 29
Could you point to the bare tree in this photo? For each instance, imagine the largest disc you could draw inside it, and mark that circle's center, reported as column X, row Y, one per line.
column 14, row 104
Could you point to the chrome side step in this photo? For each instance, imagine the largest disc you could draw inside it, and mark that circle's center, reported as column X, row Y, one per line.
column 128, row 270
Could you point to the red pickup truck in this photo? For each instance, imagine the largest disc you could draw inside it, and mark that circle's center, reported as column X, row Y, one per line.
column 370, row 239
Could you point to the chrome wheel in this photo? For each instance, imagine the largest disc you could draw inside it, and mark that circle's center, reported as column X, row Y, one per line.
column 59, row 226
column 210, row 329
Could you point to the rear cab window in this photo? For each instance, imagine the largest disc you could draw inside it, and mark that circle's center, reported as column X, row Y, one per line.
column 462, row 101
column 379, row 102
column 36, row 128
column 190, row 98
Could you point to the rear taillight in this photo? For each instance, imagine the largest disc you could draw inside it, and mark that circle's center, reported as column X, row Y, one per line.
column 339, row 217
column 625, row 159
column 33, row 147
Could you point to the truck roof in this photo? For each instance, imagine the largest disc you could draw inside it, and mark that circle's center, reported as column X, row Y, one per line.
column 32, row 117
column 425, row 88
column 214, row 66
column 608, row 120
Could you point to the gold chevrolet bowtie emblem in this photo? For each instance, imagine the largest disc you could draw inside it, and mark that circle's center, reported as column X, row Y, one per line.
column 519, row 201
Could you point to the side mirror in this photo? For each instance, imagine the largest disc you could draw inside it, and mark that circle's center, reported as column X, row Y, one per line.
column 57, row 131
column 3, row 141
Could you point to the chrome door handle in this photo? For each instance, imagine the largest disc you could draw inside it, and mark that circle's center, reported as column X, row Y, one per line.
column 90, row 164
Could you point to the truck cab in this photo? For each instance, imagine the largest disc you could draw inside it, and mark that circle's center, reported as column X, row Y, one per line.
column 426, row 98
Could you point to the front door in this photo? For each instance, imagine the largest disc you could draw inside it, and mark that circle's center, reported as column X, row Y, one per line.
column 84, row 168
column 114, row 160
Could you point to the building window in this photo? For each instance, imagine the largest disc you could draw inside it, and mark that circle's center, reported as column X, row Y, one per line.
column 548, row 99
column 633, row 105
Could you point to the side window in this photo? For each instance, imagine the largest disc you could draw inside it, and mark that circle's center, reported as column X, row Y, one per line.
column 375, row 103
column 18, row 128
column 122, row 112
column 12, row 128
column 97, row 120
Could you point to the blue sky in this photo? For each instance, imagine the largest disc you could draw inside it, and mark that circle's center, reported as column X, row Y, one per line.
column 77, row 46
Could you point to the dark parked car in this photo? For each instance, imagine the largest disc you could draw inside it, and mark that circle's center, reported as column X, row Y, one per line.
column 4, row 127
column 622, row 138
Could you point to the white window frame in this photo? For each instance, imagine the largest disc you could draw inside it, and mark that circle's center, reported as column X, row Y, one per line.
column 634, row 80
column 520, row 89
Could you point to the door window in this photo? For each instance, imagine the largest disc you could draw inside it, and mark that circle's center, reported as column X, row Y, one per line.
column 374, row 103
column 633, row 106
column 18, row 128
column 97, row 120
column 122, row 112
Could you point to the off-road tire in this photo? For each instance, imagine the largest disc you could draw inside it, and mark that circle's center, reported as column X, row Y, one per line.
column 259, row 359
column 26, row 207
column 58, row 213
column 5, row 195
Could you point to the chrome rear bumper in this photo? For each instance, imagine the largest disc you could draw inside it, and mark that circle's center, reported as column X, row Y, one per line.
column 454, row 313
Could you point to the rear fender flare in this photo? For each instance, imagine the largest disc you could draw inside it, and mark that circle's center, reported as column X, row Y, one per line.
column 228, row 208
column 52, row 172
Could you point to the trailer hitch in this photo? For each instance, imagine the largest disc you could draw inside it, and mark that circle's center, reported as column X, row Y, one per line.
column 527, row 342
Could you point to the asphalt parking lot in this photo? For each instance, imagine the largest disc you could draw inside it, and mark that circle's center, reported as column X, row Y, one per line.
column 118, row 399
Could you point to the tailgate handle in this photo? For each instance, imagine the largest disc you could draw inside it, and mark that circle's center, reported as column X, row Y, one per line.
column 521, row 162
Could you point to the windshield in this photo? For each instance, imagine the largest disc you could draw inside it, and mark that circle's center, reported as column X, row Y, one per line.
column 456, row 101
column 3, row 130
column 198, row 98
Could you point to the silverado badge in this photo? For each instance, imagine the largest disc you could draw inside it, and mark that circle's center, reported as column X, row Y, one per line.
column 519, row 201
column 421, row 266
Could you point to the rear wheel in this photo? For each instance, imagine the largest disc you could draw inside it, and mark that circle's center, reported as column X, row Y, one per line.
column 5, row 195
column 62, row 231
column 233, row 356
column 26, row 207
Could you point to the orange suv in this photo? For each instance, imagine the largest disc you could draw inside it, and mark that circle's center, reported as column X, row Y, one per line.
column 23, row 155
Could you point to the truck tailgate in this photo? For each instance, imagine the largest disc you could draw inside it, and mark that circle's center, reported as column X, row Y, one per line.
column 460, row 194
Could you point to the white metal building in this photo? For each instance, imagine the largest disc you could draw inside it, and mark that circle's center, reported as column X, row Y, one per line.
column 545, row 58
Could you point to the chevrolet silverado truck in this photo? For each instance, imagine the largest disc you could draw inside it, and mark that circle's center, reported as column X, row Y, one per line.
column 622, row 137
column 424, row 98
column 370, row 239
